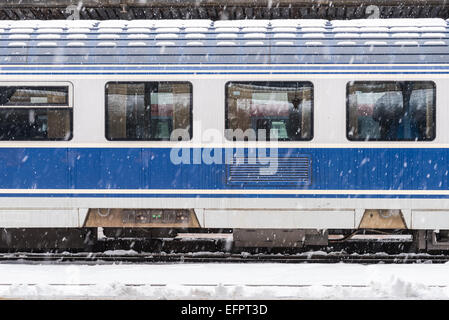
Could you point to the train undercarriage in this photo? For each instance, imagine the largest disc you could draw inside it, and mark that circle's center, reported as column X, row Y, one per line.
column 180, row 230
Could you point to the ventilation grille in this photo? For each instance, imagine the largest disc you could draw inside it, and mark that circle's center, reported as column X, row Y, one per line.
column 292, row 171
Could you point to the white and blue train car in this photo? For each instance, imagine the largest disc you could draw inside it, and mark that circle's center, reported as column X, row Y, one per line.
column 289, row 125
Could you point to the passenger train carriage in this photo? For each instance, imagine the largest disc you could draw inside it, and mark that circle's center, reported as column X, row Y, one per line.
column 289, row 132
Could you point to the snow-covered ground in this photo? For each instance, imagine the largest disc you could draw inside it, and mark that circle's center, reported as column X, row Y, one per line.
column 225, row 281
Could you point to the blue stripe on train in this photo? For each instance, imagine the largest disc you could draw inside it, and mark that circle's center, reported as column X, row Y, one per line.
column 142, row 168
column 229, row 67
column 138, row 69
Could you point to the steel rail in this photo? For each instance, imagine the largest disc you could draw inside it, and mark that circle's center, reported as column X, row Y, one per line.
column 216, row 257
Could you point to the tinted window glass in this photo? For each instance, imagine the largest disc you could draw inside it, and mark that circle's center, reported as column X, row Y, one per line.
column 35, row 113
column 147, row 110
column 33, row 96
column 391, row 111
column 261, row 109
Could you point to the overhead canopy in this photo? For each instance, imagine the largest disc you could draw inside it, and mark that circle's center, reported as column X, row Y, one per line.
column 221, row 9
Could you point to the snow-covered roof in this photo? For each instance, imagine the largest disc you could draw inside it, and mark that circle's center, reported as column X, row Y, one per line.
column 232, row 41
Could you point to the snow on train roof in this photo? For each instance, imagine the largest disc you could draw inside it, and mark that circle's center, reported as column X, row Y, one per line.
column 231, row 41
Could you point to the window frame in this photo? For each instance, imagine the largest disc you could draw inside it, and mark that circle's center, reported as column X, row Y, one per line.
column 312, row 114
column 434, row 127
column 43, row 84
column 106, row 129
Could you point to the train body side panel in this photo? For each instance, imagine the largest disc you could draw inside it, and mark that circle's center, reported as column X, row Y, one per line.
column 330, row 169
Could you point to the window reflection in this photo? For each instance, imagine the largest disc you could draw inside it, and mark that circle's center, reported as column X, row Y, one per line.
column 147, row 110
column 264, row 107
column 391, row 111
column 35, row 113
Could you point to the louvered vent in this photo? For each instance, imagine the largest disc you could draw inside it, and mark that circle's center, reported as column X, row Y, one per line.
column 289, row 171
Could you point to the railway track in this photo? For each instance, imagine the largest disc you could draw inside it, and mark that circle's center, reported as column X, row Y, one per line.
column 216, row 257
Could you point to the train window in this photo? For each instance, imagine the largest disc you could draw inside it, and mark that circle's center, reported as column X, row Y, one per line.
column 390, row 110
column 256, row 109
column 31, row 113
column 148, row 110
column 34, row 96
